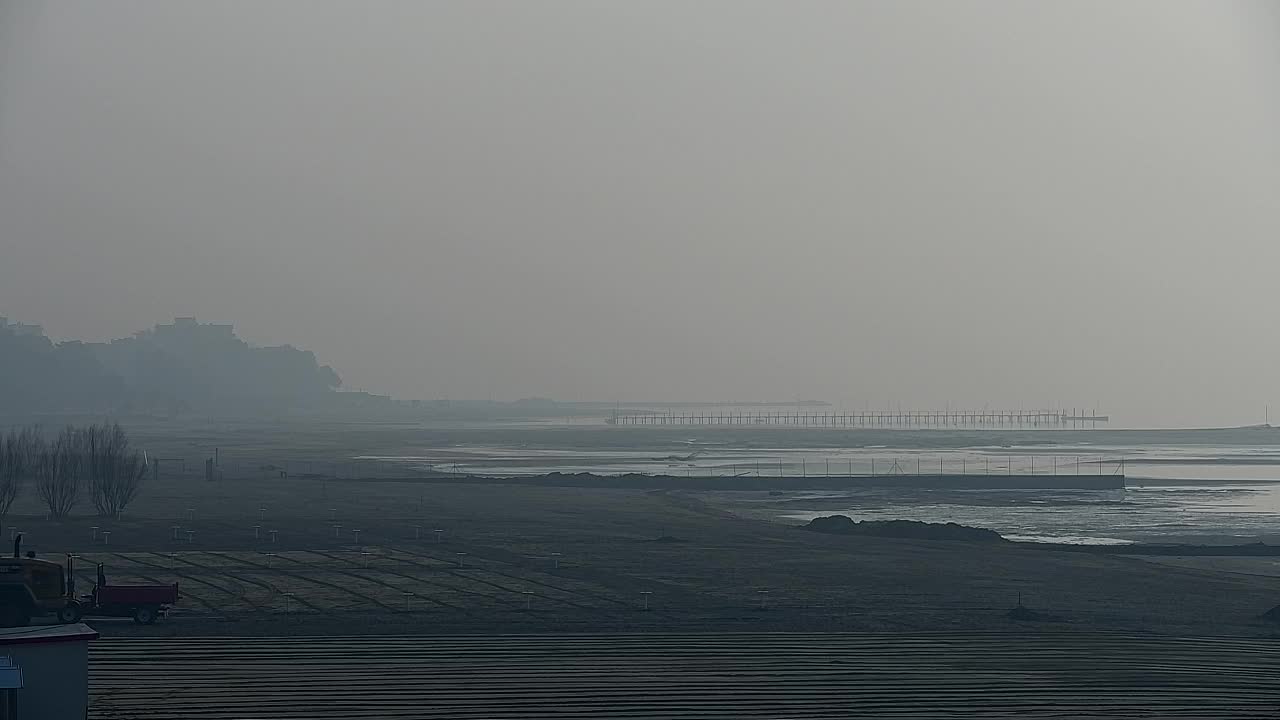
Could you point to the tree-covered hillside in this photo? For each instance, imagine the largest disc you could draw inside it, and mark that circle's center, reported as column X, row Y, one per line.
column 180, row 366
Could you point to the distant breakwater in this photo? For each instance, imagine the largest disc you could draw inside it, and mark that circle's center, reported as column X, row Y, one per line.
column 945, row 481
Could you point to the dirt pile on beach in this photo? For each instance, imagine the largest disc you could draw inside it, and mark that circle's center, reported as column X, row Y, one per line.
column 911, row 529
column 1022, row 613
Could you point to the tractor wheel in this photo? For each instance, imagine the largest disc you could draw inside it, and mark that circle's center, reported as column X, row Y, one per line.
column 144, row 615
column 14, row 616
column 70, row 614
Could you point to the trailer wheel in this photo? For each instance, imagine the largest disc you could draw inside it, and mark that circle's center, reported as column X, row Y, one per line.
column 14, row 615
column 144, row 615
column 70, row 614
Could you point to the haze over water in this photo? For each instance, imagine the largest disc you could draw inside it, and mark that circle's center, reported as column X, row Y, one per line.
column 1176, row 492
column 872, row 203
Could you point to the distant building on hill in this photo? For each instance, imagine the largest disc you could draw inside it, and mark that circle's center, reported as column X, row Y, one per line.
column 190, row 327
column 29, row 330
column 181, row 366
column 23, row 329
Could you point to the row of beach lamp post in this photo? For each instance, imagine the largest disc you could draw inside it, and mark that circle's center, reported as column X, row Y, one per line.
column 555, row 557
column 527, row 595
column 461, row 562
column 97, row 533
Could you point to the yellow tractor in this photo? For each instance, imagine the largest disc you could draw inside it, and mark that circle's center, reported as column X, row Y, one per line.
column 32, row 588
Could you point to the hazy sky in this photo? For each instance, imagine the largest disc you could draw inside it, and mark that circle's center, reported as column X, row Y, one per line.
column 1015, row 204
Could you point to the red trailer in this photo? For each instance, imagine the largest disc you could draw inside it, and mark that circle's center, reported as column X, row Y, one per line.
column 143, row 603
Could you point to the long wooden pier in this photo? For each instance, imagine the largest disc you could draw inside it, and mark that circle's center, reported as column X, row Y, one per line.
column 903, row 419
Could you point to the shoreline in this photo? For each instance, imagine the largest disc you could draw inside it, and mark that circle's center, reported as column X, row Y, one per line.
column 757, row 483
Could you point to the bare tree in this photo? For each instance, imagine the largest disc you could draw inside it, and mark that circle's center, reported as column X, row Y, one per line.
column 59, row 471
column 18, row 452
column 96, row 456
column 115, row 472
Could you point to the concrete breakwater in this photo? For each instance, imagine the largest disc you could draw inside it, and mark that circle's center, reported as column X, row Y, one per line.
column 941, row 481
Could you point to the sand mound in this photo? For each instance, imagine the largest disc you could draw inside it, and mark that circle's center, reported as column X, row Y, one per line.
column 1026, row 614
column 843, row 525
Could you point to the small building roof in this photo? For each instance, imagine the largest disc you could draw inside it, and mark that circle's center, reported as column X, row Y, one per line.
column 10, row 674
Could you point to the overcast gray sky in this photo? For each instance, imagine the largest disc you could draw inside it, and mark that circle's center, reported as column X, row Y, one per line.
column 1013, row 204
